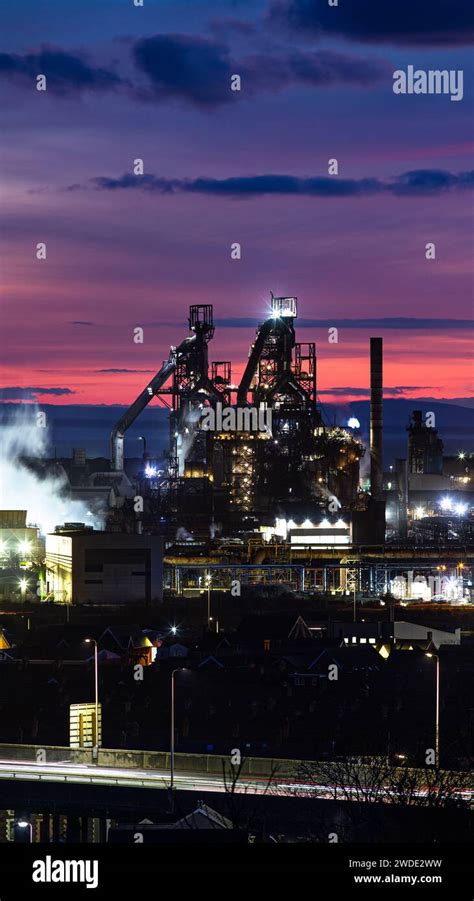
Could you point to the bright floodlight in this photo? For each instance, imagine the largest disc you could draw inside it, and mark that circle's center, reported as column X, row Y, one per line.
column 420, row 512
column 340, row 524
column 283, row 307
column 461, row 455
column 151, row 472
column 307, row 524
column 353, row 423
column 460, row 509
column 23, row 584
column 25, row 546
column 174, row 630
column 324, row 523
column 446, row 503
column 23, row 824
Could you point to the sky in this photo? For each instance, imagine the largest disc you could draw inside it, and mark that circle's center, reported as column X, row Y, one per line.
column 153, row 82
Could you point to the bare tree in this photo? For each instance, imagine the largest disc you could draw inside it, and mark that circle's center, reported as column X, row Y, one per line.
column 379, row 796
column 247, row 818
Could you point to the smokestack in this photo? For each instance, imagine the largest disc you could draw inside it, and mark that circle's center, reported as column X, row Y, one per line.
column 376, row 417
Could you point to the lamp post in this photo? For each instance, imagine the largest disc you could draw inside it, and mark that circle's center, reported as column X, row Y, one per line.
column 142, row 438
column 430, row 654
column 208, row 581
column 96, row 679
column 25, row 824
column 172, row 730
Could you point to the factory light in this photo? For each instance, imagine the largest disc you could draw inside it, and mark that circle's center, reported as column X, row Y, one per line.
column 151, row 472
column 420, row 512
column 446, row 503
column 307, row 524
column 25, row 547
column 353, row 423
column 460, row 509
column 340, row 524
column 324, row 524
column 23, row 583
column 461, row 455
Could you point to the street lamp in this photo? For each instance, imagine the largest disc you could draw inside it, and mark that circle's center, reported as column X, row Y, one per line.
column 429, row 654
column 142, row 438
column 96, row 668
column 178, row 669
column 208, row 582
column 24, row 824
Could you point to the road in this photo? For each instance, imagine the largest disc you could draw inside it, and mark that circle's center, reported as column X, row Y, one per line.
column 160, row 779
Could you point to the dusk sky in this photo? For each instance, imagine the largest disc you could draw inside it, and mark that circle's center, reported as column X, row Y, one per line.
column 223, row 166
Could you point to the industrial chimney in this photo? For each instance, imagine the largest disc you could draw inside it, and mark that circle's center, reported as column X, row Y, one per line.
column 376, row 417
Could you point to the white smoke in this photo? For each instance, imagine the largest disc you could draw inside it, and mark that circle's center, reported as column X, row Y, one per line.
column 187, row 435
column 21, row 489
column 182, row 534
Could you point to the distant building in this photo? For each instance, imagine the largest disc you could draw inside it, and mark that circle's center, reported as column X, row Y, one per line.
column 401, row 634
column 425, row 448
column 430, row 496
column 84, row 566
column 414, row 633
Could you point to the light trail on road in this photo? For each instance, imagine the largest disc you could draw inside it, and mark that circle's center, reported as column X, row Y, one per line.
column 156, row 779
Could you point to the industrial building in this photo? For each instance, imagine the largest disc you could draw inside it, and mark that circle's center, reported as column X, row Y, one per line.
column 234, row 478
column 84, row 566
column 429, row 496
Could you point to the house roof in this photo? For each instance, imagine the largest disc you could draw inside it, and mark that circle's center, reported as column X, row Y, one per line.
column 204, row 817
column 210, row 659
column 276, row 626
column 127, row 636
